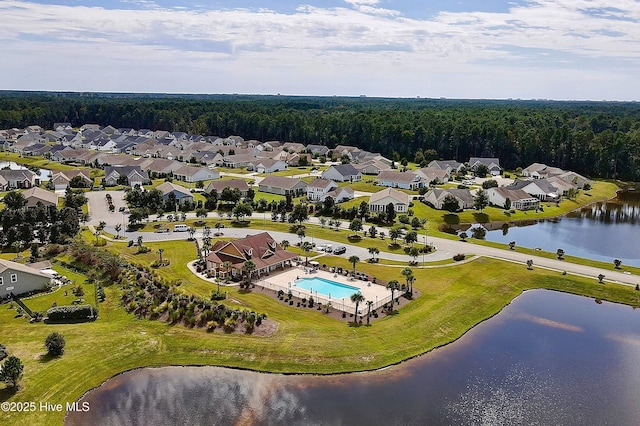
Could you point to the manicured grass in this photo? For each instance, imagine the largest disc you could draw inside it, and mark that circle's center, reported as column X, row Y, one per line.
column 242, row 171
column 453, row 300
column 292, row 171
column 36, row 161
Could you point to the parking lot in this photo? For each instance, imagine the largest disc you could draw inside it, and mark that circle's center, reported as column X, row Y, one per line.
column 99, row 208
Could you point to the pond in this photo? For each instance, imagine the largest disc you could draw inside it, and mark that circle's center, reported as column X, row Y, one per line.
column 602, row 231
column 547, row 358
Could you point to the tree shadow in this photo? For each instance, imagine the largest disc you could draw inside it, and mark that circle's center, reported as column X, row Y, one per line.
column 481, row 217
column 46, row 357
column 451, row 218
column 7, row 393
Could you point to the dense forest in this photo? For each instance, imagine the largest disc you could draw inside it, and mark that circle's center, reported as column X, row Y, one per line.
column 598, row 139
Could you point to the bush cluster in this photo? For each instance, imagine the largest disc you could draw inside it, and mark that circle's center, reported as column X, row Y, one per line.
column 78, row 312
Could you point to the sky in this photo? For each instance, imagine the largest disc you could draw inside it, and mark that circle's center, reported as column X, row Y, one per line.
column 489, row 49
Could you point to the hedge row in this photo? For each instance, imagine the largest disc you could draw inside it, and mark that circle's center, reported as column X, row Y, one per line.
column 77, row 312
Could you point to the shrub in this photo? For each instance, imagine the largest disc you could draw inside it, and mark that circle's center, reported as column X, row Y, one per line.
column 55, row 344
column 218, row 295
column 78, row 312
column 458, row 257
column 3, row 352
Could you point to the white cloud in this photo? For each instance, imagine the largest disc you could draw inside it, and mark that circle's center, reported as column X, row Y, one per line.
column 350, row 50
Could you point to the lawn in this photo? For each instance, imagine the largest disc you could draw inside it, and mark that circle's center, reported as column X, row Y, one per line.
column 35, row 161
column 453, row 300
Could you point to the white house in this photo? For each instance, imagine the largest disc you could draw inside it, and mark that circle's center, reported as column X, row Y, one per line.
column 267, row 165
column 342, row 173
column 539, row 188
column 518, row 199
column 181, row 193
column 318, row 188
column 379, row 201
column 493, row 164
column 283, row 185
column 431, row 174
column 404, row 180
column 436, row 197
column 195, row 174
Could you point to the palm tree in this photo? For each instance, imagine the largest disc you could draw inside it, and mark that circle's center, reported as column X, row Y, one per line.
column 118, row 228
column 394, row 234
column 139, row 239
column 227, row 267
column 357, row 298
column 393, row 286
column 373, row 251
column 353, row 260
column 306, row 248
column 463, row 236
column 600, row 278
column 160, row 251
column 301, row 234
column 560, row 254
column 408, row 275
column 285, row 244
column 248, row 267
column 512, row 245
column 323, row 222
column 192, row 232
column 97, row 234
column 369, row 303
column 617, row 263
column 206, row 246
column 529, row 264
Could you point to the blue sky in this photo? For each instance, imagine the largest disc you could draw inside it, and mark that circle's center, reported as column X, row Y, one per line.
column 552, row 49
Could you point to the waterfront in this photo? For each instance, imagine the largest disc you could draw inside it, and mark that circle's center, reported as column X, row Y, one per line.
column 547, row 358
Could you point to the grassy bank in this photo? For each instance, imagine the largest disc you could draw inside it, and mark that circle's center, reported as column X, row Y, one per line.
column 453, row 300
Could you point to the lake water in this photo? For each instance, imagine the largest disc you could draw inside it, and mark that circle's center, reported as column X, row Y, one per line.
column 603, row 231
column 548, row 358
column 44, row 175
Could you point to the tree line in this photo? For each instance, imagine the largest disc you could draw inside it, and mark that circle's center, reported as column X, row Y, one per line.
column 598, row 139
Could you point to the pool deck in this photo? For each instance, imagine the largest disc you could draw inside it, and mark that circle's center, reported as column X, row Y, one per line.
column 286, row 280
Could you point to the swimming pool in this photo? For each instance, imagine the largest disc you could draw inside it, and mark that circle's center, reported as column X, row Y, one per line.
column 327, row 287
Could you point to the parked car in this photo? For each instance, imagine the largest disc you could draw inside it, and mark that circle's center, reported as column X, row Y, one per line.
column 162, row 230
column 121, row 209
column 340, row 250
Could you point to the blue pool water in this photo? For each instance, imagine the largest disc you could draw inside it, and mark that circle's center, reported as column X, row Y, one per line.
column 326, row 287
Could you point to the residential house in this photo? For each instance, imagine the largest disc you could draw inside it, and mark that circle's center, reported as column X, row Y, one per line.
column 539, row 188
column 34, row 129
column 493, row 164
column 283, row 185
column 19, row 179
column 341, row 193
column 61, row 179
column 170, row 190
column 17, row 279
column 379, row 201
column 541, row 171
column 237, row 160
column 576, row 178
column 293, row 147
column 318, row 189
column 436, row 197
column 371, row 167
column 318, row 149
column 563, row 186
column 296, row 159
column 36, row 195
column 266, row 165
column 265, row 253
column 135, row 176
column 195, row 174
column 220, row 185
column 60, row 127
column 518, row 199
column 342, row 173
column 403, row 180
column 451, row 165
column 434, row 174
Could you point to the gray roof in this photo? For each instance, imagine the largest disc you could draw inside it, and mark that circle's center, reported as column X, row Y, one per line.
column 346, row 169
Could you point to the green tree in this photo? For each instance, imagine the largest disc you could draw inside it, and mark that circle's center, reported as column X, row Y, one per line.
column 394, row 234
column 55, row 344
column 369, row 304
column 14, row 200
column 393, row 285
column 356, row 298
column 248, row 267
column 408, row 275
column 481, row 200
column 160, row 252
column 299, row 213
column 450, row 203
column 202, row 214
column 390, row 212
column 373, row 251
column 285, row 244
column 306, row 248
column 356, row 225
column 353, row 260
column 11, row 371
column 241, row 210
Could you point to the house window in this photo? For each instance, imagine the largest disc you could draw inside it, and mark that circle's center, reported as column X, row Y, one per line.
column 14, row 278
column 1, row 280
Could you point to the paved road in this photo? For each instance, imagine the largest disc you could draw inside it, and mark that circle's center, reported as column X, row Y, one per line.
column 446, row 249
